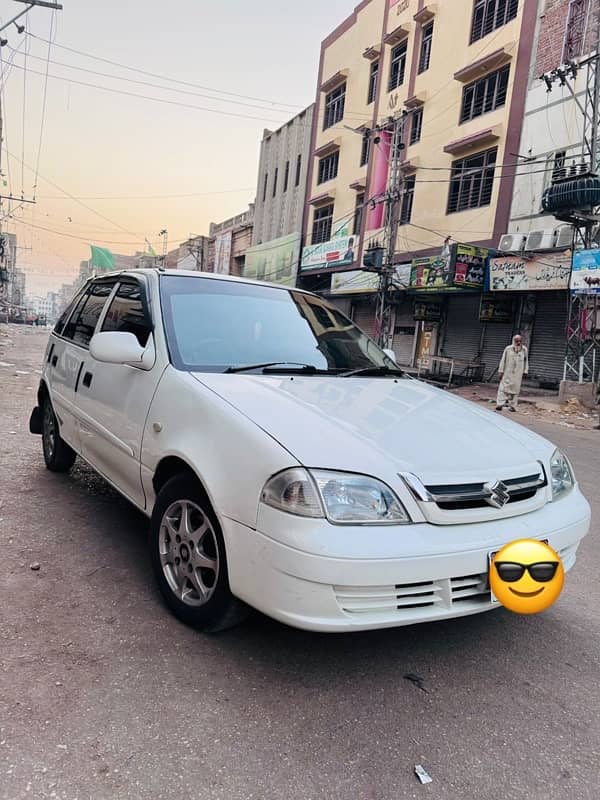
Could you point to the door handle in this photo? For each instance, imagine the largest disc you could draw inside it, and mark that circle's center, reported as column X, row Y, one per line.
column 54, row 360
column 87, row 380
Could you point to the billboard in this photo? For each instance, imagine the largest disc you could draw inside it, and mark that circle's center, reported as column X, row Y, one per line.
column 276, row 261
column 470, row 263
column 585, row 278
column 356, row 281
column 535, row 273
column 223, row 243
column 340, row 252
column 431, row 274
column 462, row 267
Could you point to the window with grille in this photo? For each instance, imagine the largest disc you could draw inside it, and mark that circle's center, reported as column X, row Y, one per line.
column 491, row 14
column 416, row 126
column 322, row 224
column 398, row 66
column 485, row 94
column 328, row 167
column 275, row 177
column 335, row 102
column 298, row 169
column 373, row 77
column 426, row 42
column 365, row 148
column 408, row 196
column 286, row 178
column 556, row 167
column 472, row 181
column 576, row 29
column 358, row 213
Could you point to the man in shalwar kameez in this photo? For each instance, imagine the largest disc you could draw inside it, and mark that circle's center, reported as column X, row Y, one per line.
column 514, row 365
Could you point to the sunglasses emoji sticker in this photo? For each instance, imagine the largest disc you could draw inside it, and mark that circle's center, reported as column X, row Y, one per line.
column 527, row 576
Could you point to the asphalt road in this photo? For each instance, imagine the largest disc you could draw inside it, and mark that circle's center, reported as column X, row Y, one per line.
column 104, row 695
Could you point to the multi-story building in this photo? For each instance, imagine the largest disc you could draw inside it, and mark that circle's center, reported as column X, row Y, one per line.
column 457, row 72
column 191, row 254
column 280, row 201
column 229, row 242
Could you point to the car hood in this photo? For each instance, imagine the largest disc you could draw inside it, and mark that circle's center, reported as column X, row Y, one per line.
column 379, row 425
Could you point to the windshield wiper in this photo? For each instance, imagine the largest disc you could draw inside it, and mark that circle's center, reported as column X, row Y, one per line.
column 373, row 372
column 286, row 365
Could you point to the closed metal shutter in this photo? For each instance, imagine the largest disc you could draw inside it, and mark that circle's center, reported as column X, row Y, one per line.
column 498, row 336
column 548, row 346
column 463, row 330
column 363, row 315
column 404, row 333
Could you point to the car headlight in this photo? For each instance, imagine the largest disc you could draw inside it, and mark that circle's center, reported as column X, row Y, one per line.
column 563, row 479
column 343, row 498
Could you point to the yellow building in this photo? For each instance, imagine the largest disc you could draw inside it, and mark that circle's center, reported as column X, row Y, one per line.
column 457, row 71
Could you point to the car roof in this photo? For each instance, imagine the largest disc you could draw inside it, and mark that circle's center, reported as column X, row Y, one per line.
column 187, row 273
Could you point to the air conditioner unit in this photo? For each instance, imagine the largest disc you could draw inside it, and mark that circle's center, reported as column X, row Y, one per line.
column 540, row 240
column 564, row 236
column 512, row 242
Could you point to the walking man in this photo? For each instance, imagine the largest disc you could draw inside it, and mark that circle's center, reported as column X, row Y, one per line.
column 514, row 364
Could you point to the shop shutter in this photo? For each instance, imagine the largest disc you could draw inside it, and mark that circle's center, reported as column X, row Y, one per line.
column 404, row 333
column 498, row 335
column 548, row 345
column 463, row 329
column 364, row 315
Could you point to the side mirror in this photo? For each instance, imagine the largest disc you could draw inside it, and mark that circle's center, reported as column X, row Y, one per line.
column 390, row 354
column 114, row 347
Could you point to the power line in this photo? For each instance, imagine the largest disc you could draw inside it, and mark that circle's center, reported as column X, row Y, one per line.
column 44, row 102
column 150, row 196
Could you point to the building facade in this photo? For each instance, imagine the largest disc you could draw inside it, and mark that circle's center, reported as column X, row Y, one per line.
column 457, row 73
column 229, row 242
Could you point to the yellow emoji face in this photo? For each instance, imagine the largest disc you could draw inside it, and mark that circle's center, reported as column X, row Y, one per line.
column 527, row 576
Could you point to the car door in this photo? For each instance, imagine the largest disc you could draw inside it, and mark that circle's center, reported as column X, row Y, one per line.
column 114, row 399
column 66, row 355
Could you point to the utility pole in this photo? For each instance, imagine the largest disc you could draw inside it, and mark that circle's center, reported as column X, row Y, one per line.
column 165, row 237
column 582, row 358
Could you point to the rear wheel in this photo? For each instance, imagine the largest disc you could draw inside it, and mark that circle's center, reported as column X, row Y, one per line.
column 189, row 560
column 59, row 457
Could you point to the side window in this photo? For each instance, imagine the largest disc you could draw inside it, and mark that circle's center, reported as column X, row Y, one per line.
column 83, row 323
column 126, row 313
column 62, row 320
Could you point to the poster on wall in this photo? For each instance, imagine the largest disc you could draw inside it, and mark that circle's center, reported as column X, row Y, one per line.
column 275, row 262
column 495, row 308
column 470, row 263
column 586, row 272
column 340, row 252
column 428, row 312
column 223, row 243
column 536, row 273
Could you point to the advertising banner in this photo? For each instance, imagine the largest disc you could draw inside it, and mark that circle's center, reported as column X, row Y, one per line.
column 428, row 312
column 470, row 265
column 536, row 273
column 354, row 282
column 223, row 244
column 586, row 272
column 276, row 261
column 495, row 308
column 463, row 267
column 432, row 274
column 338, row 252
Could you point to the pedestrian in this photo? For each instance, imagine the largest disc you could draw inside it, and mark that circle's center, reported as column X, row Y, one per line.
column 514, row 364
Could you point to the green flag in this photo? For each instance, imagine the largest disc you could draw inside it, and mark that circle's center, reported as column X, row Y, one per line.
column 102, row 258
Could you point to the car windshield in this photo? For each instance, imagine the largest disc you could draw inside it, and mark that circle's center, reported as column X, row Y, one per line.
column 214, row 325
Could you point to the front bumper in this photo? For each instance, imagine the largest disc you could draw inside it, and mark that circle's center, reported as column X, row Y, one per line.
column 364, row 578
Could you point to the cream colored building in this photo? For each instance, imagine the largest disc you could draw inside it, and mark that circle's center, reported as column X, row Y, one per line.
column 458, row 71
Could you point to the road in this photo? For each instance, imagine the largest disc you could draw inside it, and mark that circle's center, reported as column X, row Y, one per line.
column 104, row 695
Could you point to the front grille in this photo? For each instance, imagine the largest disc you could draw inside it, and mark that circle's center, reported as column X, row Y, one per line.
column 403, row 599
column 454, row 497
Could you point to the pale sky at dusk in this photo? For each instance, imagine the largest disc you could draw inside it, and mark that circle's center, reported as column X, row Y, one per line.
column 97, row 144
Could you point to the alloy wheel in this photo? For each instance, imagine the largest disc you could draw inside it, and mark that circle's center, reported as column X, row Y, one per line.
column 49, row 431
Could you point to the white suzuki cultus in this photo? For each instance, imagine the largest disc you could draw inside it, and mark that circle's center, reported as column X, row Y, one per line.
column 285, row 461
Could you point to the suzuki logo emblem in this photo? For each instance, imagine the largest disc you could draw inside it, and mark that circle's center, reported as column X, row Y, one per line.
column 499, row 494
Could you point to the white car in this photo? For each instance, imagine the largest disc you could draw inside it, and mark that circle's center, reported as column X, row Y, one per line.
column 285, row 461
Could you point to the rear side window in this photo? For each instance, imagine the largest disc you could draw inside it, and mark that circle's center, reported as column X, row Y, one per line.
column 62, row 321
column 83, row 322
column 126, row 314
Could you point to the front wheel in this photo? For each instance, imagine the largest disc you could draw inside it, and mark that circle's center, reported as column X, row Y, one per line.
column 59, row 457
column 189, row 560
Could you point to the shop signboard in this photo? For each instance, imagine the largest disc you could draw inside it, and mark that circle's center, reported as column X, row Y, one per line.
column 470, row 263
column 354, row 282
column 586, row 272
column 431, row 274
column 539, row 272
column 275, row 262
column 340, row 252
column 496, row 308
column 426, row 311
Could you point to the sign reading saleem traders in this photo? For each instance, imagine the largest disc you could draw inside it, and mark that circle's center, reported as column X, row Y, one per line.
column 539, row 272
column 340, row 252
column 586, row 272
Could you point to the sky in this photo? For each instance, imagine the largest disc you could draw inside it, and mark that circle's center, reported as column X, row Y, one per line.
column 115, row 169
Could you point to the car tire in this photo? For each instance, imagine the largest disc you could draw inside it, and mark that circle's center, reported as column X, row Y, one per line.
column 59, row 457
column 188, row 558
